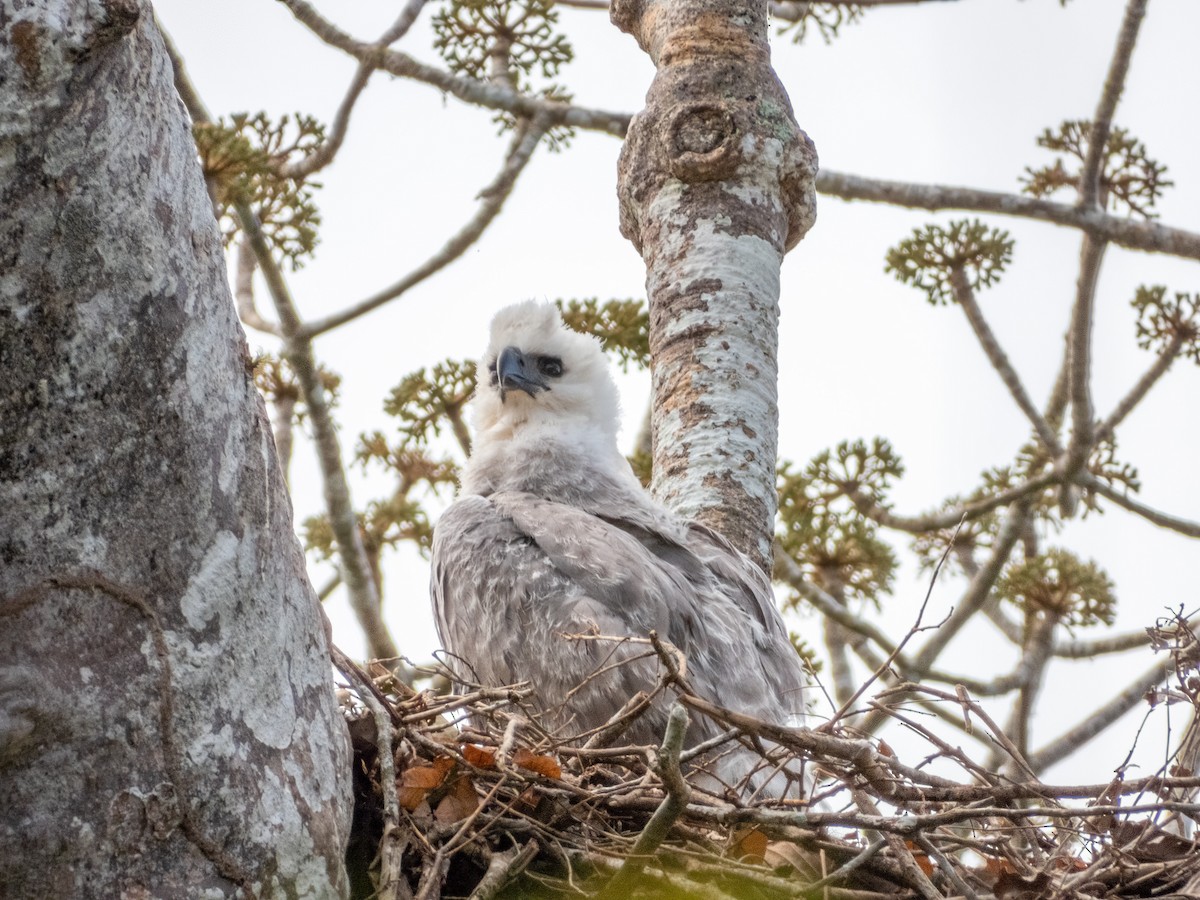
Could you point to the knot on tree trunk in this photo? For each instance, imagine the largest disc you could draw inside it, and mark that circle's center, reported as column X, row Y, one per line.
column 714, row 113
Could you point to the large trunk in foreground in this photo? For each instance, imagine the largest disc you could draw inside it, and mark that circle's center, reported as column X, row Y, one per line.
column 167, row 723
column 716, row 184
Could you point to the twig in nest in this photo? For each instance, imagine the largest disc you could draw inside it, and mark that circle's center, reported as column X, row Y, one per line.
column 656, row 830
column 391, row 874
column 502, row 868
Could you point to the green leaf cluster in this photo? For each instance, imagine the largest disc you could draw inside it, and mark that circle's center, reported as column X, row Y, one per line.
column 276, row 381
column 244, row 159
column 623, row 327
column 507, row 41
column 927, row 259
column 1128, row 175
column 820, row 526
column 1162, row 319
column 429, row 400
column 826, row 19
column 1059, row 584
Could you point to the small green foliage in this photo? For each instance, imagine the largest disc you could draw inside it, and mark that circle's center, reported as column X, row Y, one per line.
column 807, row 653
column 838, row 548
column 1061, row 585
column 276, row 381
column 1116, row 474
column 622, row 325
column 1161, row 320
column 244, row 159
column 1127, row 174
column 317, row 535
column 430, row 399
column 507, row 41
column 483, row 39
column 853, row 467
column 643, row 467
column 826, row 18
column 927, row 259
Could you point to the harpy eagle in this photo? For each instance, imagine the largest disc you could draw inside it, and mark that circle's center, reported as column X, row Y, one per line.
column 553, row 536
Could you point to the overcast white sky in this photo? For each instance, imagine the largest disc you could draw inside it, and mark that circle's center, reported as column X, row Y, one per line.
column 952, row 92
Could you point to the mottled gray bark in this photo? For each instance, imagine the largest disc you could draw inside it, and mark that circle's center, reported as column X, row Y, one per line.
column 167, row 721
column 716, row 184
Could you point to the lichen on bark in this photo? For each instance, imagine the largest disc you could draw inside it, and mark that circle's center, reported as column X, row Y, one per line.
column 716, row 183
column 167, row 720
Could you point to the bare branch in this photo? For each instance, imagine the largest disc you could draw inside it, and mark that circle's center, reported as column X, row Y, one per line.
column 1102, row 718
column 323, row 155
column 1136, row 235
column 977, row 591
column 337, row 134
column 788, row 571
column 1161, row 364
column 999, row 359
column 673, row 804
column 356, row 569
column 479, row 93
column 1080, row 353
column 1164, row 520
column 391, row 848
column 243, row 291
column 950, row 517
column 524, row 142
column 1114, row 84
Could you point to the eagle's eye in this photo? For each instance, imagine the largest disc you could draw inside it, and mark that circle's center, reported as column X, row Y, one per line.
column 550, row 366
column 493, row 378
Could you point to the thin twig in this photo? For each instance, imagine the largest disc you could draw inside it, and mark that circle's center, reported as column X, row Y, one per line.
column 391, row 871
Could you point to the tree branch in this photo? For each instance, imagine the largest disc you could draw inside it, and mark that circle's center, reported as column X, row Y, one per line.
column 977, row 591
column 243, row 291
column 356, row 570
column 478, row 93
column 999, row 359
column 1102, row 718
column 1136, row 235
column 1080, row 354
column 1142, row 387
column 1114, row 84
column 1164, row 520
column 324, row 154
column 524, row 142
column 951, row 517
column 678, row 793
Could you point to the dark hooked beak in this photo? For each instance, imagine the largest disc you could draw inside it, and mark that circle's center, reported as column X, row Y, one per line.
column 517, row 372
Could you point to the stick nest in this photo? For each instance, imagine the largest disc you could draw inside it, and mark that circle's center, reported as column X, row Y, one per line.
column 465, row 795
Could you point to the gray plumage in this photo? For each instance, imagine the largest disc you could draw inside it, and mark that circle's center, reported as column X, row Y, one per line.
column 553, row 535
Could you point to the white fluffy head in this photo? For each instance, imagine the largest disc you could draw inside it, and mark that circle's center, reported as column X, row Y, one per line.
column 583, row 395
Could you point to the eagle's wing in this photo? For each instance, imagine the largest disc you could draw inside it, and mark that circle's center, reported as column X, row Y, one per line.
column 514, row 576
column 514, row 573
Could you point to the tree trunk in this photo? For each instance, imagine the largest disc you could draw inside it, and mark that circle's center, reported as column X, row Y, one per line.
column 167, row 723
column 716, row 184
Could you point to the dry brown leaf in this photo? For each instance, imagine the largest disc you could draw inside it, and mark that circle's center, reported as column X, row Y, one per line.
column 924, row 863
column 535, row 762
column 785, row 853
column 749, row 843
column 460, row 801
column 480, row 757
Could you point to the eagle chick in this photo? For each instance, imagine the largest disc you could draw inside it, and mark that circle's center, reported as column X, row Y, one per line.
column 553, row 536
